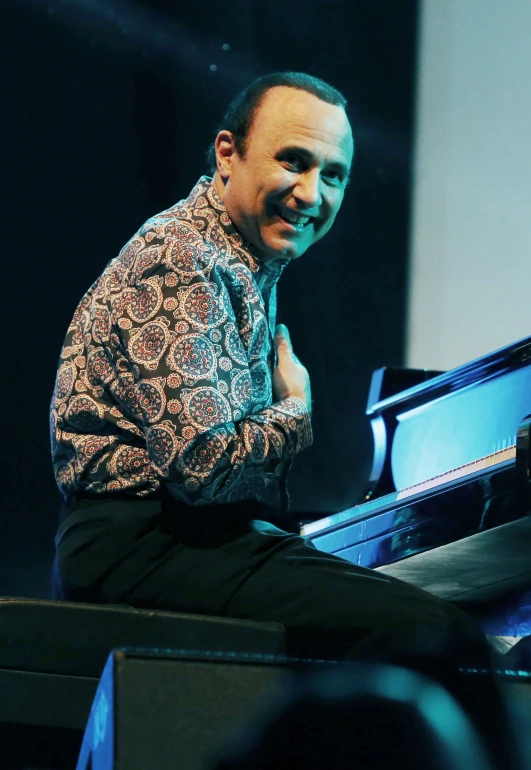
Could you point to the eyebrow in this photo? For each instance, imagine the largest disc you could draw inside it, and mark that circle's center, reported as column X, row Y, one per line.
column 307, row 155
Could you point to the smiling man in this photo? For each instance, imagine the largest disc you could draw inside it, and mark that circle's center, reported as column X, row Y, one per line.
column 179, row 403
column 283, row 194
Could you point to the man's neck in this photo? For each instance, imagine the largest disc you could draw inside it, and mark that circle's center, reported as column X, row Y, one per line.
column 219, row 185
column 272, row 267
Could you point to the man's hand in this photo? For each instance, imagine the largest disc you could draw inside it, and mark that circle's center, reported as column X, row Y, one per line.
column 290, row 378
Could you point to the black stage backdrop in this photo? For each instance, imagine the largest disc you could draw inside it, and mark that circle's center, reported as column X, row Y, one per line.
column 108, row 108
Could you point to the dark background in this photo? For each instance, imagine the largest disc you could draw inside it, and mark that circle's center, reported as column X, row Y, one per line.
column 108, row 109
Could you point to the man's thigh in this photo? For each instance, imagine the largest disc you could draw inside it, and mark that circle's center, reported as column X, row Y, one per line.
column 255, row 571
column 336, row 608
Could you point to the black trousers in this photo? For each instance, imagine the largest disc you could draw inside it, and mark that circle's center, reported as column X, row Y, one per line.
column 219, row 561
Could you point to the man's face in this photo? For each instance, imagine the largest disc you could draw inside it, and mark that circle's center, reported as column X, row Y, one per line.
column 284, row 195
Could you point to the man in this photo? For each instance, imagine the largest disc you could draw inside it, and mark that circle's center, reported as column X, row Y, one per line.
column 179, row 403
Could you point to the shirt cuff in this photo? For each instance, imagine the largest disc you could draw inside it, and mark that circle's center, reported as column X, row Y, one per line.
column 302, row 422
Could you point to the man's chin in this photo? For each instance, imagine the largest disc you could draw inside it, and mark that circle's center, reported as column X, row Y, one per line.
column 283, row 254
column 283, row 251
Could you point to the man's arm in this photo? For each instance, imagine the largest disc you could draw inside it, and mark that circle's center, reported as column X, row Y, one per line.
column 210, row 432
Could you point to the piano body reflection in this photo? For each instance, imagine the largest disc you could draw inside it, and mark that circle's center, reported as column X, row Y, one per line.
column 451, row 465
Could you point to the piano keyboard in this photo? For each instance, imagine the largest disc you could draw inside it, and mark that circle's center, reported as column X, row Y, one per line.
column 493, row 462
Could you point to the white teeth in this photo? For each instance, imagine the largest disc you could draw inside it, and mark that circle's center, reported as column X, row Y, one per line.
column 294, row 219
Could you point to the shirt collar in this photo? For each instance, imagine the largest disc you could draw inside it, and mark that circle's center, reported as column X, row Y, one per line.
column 204, row 194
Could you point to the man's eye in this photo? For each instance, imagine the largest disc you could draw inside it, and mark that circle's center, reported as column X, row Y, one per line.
column 334, row 176
column 292, row 160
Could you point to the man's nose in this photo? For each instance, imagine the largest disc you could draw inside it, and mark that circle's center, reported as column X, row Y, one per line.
column 308, row 189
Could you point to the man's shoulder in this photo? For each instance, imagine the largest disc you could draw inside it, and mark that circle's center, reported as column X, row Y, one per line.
column 174, row 239
column 188, row 209
column 190, row 239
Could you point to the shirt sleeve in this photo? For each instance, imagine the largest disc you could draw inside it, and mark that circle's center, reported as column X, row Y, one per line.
column 200, row 388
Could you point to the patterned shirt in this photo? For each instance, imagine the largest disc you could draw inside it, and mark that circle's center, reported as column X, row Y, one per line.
column 165, row 374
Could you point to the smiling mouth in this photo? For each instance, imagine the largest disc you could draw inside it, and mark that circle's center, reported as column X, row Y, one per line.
column 294, row 220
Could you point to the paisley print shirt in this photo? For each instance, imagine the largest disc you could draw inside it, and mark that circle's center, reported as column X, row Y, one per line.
column 165, row 374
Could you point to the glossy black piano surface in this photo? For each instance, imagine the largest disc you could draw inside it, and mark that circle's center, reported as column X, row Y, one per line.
column 472, row 419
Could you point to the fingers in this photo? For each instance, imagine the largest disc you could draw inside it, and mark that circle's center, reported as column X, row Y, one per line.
column 282, row 337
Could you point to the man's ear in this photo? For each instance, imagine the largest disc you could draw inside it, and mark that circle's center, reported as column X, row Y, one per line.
column 225, row 150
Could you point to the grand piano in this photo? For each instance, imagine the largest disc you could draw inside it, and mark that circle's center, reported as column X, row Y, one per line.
column 449, row 497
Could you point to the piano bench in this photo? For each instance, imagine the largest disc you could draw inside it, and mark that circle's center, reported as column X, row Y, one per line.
column 52, row 654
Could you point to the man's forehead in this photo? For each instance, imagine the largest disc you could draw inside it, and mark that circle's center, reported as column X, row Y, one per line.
column 288, row 114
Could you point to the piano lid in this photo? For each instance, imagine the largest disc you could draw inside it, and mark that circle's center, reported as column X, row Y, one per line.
column 512, row 356
column 458, row 416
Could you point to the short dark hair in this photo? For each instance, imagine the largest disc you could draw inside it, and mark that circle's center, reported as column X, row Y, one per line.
column 243, row 109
